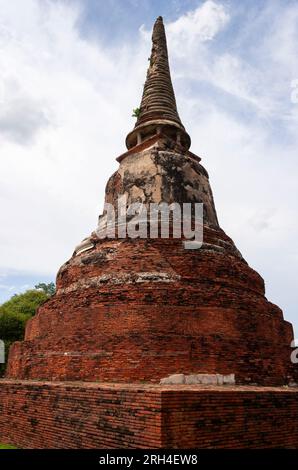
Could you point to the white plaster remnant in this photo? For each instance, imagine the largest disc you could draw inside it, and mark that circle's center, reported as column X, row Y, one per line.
column 199, row 379
column 115, row 279
column 173, row 379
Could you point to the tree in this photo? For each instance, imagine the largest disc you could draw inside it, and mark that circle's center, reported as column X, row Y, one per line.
column 48, row 289
column 16, row 312
column 12, row 326
column 25, row 303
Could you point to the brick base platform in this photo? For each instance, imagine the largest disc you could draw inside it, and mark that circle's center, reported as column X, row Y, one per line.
column 105, row 415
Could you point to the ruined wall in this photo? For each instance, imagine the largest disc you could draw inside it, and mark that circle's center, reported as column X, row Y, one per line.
column 131, row 310
column 160, row 175
column 230, row 419
column 70, row 416
column 139, row 310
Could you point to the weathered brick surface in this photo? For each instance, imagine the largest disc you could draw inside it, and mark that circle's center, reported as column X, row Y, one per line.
column 140, row 310
column 231, row 418
column 93, row 415
column 137, row 310
column 53, row 415
column 158, row 104
column 133, row 310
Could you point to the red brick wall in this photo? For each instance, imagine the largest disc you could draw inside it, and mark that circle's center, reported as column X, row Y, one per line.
column 134, row 310
column 231, row 418
column 85, row 415
column 208, row 312
column 48, row 415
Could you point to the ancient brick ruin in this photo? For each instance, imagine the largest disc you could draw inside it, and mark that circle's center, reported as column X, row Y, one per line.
column 134, row 311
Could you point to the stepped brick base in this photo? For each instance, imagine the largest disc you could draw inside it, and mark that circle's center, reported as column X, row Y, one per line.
column 106, row 415
column 140, row 309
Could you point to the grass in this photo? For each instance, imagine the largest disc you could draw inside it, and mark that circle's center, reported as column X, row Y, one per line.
column 6, row 446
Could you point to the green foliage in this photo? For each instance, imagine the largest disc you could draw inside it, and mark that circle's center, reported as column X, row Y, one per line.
column 48, row 289
column 7, row 446
column 25, row 304
column 136, row 112
column 12, row 326
column 14, row 314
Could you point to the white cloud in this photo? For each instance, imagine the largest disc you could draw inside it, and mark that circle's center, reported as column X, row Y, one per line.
column 70, row 102
column 258, row 67
column 6, row 287
column 21, row 116
column 190, row 31
column 201, row 24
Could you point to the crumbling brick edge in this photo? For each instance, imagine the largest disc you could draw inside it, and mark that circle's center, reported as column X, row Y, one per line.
column 36, row 414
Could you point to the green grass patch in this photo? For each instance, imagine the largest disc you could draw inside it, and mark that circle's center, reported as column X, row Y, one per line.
column 7, row 446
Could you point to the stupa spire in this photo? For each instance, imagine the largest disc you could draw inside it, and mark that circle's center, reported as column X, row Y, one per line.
column 158, row 110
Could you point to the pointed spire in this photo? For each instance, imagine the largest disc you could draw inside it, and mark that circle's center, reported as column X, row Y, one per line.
column 158, row 101
column 158, row 108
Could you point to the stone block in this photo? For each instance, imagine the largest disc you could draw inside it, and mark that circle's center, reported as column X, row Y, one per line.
column 229, row 379
column 174, row 379
column 205, row 379
column 220, row 379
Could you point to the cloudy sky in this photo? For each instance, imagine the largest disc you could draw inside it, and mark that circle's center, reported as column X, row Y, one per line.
column 71, row 71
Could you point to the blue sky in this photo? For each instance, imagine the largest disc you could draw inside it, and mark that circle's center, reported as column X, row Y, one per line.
column 123, row 18
column 71, row 71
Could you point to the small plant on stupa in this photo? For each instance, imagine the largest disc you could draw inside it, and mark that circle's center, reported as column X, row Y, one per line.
column 136, row 112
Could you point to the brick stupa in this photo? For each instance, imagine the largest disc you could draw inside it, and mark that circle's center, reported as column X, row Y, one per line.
column 134, row 311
